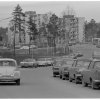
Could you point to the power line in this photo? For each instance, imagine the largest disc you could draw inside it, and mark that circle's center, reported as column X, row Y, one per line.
column 5, row 18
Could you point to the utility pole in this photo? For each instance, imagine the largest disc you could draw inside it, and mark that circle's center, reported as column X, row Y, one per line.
column 14, row 39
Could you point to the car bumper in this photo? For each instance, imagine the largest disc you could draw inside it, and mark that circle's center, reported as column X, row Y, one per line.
column 8, row 79
column 27, row 65
column 97, row 82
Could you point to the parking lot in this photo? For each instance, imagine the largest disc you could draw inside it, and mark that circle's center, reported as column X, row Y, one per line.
column 39, row 83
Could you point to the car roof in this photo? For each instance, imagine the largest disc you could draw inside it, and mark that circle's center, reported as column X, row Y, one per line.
column 10, row 59
column 83, row 58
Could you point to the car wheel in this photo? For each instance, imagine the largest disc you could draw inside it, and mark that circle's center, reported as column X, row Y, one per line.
column 84, row 83
column 63, row 78
column 60, row 76
column 18, row 82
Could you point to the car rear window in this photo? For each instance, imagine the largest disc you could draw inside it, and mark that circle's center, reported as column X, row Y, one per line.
column 83, row 63
column 7, row 63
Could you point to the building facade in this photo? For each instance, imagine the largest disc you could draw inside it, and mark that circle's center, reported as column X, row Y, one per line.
column 74, row 27
column 81, row 29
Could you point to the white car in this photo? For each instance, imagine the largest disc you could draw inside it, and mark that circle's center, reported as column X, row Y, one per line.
column 24, row 47
column 32, row 46
column 9, row 71
column 45, row 61
column 29, row 62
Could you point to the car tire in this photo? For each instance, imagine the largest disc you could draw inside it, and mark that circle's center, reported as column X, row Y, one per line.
column 63, row 78
column 60, row 76
column 84, row 83
column 18, row 82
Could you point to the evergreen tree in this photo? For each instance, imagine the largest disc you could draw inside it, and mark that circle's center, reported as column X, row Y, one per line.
column 18, row 18
column 53, row 28
column 32, row 30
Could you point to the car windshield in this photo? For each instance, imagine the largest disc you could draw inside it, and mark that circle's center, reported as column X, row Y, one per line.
column 97, row 64
column 83, row 64
column 7, row 63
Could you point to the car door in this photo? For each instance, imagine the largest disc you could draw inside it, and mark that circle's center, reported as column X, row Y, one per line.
column 89, row 72
column 95, row 71
column 85, row 73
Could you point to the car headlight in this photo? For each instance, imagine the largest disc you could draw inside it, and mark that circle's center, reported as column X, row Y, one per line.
column 16, row 74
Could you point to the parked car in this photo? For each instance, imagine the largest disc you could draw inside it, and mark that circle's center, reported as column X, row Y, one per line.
column 9, row 71
column 29, row 63
column 91, row 76
column 56, row 66
column 75, row 72
column 96, row 55
column 17, row 46
column 45, row 61
column 76, row 55
column 33, row 46
column 65, row 65
column 24, row 47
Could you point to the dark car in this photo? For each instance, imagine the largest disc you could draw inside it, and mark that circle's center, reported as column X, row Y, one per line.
column 28, row 63
column 75, row 72
column 91, row 76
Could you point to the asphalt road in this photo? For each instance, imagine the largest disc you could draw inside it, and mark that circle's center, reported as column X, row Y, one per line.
column 39, row 83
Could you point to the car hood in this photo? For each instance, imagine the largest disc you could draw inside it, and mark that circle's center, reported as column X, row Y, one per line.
column 7, row 70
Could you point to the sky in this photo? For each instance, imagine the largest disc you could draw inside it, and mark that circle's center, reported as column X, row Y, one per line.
column 88, row 9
